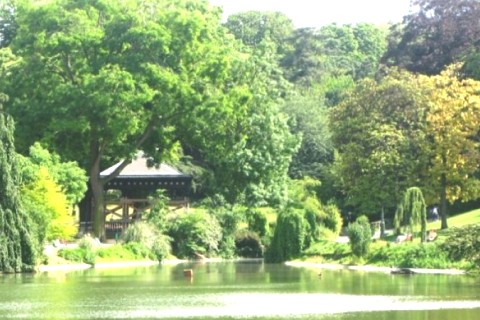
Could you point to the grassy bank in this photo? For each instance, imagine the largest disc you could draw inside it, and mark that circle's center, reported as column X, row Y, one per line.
column 388, row 253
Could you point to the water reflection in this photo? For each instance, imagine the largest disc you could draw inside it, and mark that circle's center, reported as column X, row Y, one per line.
column 236, row 290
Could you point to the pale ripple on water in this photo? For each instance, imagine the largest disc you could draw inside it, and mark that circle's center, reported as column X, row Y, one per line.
column 285, row 306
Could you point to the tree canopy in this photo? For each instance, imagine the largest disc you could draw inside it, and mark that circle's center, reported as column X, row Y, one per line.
column 18, row 250
column 436, row 34
column 98, row 80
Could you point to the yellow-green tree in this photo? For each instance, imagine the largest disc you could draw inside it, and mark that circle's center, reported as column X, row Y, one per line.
column 453, row 121
column 48, row 207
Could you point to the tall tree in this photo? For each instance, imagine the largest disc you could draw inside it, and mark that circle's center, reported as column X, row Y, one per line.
column 452, row 145
column 17, row 247
column 377, row 131
column 98, row 80
column 436, row 34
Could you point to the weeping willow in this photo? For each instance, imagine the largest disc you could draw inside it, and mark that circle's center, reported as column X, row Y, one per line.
column 412, row 212
column 17, row 250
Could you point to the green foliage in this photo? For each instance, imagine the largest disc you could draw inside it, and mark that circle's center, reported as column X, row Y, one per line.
column 360, row 235
column 258, row 222
column 379, row 130
column 411, row 212
column 248, row 244
column 291, row 236
column 309, row 118
column 411, row 255
column 333, row 219
column 463, row 244
column 8, row 26
column 48, row 208
column 303, row 196
column 334, row 51
column 329, row 251
column 195, row 233
column 71, row 179
column 145, row 239
column 86, row 252
column 139, row 250
column 116, row 252
column 18, row 247
column 229, row 217
column 187, row 84
column 73, row 254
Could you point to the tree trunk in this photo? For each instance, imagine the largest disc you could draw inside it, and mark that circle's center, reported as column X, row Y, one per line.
column 382, row 224
column 98, row 210
column 443, row 201
column 96, row 184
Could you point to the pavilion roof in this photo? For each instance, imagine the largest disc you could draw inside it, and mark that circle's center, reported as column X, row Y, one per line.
column 139, row 168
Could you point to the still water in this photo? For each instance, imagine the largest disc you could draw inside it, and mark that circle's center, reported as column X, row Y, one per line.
column 237, row 290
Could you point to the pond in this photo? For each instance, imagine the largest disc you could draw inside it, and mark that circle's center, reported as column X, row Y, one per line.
column 237, row 290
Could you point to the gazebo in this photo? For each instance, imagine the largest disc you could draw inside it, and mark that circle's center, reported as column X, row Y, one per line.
column 127, row 195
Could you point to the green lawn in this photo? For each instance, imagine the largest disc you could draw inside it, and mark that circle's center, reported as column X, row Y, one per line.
column 460, row 220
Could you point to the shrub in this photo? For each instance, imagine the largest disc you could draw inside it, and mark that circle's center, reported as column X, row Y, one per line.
column 360, row 235
column 257, row 222
column 333, row 218
column 139, row 250
column 145, row 241
column 248, row 244
column 463, row 244
column 195, row 233
column 161, row 247
column 411, row 255
column 291, row 236
column 73, row 254
column 140, row 232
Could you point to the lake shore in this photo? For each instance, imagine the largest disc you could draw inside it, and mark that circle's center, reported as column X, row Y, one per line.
column 300, row 264
column 368, row 268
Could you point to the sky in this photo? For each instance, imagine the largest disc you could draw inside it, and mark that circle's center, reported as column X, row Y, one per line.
column 315, row 13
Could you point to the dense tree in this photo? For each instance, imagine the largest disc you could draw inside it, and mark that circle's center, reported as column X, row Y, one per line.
column 67, row 175
column 8, row 25
column 97, row 80
column 435, row 34
column 17, row 246
column 255, row 28
column 453, row 122
column 378, row 130
column 334, row 51
column 309, row 118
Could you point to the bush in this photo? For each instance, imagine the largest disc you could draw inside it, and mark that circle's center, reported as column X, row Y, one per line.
column 411, row 255
column 161, row 247
column 140, row 232
column 360, row 235
column 258, row 223
column 329, row 250
column 463, row 244
column 248, row 244
column 291, row 236
column 73, row 254
column 195, row 233
column 333, row 219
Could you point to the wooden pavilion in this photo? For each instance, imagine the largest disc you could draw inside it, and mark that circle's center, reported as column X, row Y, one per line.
column 127, row 195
